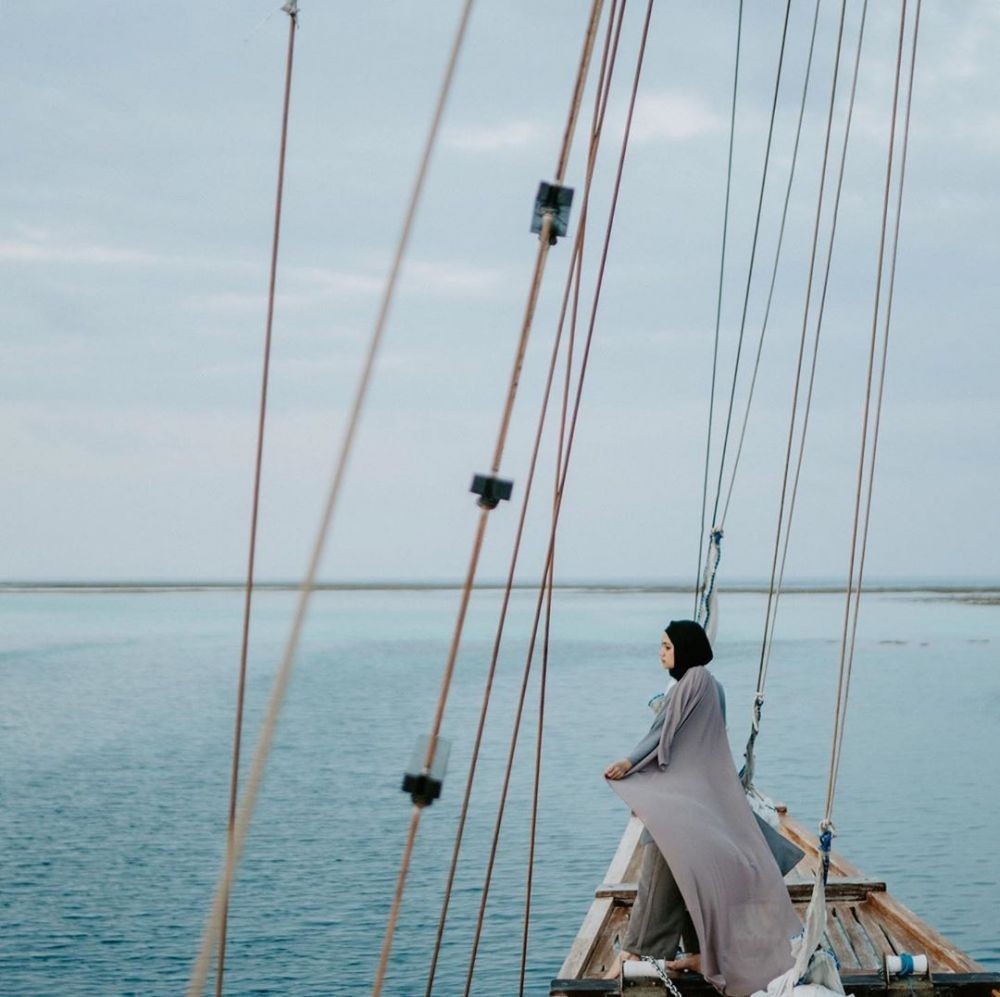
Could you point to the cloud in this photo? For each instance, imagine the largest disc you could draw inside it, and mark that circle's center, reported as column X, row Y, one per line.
column 439, row 277
column 32, row 251
column 672, row 117
column 304, row 287
column 337, row 281
column 39, row 245
column 479, row 138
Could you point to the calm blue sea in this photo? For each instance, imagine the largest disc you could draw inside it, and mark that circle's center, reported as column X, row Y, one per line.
column 116, row 728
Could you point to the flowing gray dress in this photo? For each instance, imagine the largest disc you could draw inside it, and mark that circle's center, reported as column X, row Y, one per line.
column 689, row 797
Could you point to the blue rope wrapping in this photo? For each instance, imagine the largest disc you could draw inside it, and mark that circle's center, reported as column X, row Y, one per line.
column 906, row 969
column 715, row 540
column 825, row 843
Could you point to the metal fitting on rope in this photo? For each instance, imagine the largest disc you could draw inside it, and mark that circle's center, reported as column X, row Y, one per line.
column 423, row 785
column 552, row 201
column 292, row 10
column 491, row 490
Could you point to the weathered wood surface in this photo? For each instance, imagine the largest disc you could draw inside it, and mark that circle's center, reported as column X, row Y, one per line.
column 864, row 924
column 902, row 929
column 800, row 892
column 624, row 868
column 859, row 984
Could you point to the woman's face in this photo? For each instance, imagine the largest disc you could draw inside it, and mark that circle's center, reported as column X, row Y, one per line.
column 666, row 653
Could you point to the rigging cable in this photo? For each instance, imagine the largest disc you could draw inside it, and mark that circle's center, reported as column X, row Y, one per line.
column 549, row 592
column 562, row 485
column 718, row 308
column 200, row 970
column 753, row 257
column 774, row 270
column 606, row 71
column 747, row 776
column 777, row 586
column 848, row 641
column 291, row 9
column 706, row 599
column 600, row 106
column 807, row 407
column 534, row 288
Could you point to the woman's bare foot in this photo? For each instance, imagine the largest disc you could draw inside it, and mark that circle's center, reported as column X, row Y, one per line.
column 692, row 962
column 616, row 966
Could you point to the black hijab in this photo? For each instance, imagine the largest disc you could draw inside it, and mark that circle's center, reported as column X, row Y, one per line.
column 691, row 646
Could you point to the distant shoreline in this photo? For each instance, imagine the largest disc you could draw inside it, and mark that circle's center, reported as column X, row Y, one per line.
column 971, row 591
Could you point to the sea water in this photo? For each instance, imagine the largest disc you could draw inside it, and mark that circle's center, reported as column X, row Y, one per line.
column 116, row 727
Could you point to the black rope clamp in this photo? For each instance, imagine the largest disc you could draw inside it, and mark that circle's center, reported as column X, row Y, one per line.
column 491, row 490
column 554, row 201
column 424, row 786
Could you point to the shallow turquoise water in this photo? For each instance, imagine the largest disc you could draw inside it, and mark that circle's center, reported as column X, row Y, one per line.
column 116, row 727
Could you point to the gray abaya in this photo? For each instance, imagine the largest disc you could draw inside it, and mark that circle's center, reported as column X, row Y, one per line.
column 689, row 797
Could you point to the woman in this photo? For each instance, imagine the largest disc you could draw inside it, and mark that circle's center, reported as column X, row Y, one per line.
column 708, row 872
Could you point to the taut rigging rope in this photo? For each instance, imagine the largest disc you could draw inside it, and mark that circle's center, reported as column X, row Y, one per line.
column 561, row 490
column 535, row 286
column 292, row 10
column 774, row 270
column 807, row 407
column 252, row 787
column 851, row 613
column 604, row 80
column 768, row 625
column 718, row 310
column 753, row 257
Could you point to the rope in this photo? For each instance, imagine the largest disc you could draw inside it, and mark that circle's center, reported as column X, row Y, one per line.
column 753, row 257
column 807, row 408
column 575, row 264
column 718, row 307
column 549, row 590
column 255, row 503
column 550, row 578
column 252, row 788
column 543, row 238
column 569, row 449
column 534, row 288
column 548, row 586
column 848, row 642
column 764, row 656
column 774, row 270
column 712, row 562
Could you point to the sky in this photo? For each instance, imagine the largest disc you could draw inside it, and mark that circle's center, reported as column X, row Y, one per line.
column 137, row 183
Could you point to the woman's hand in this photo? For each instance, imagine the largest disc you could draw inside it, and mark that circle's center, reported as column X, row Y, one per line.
column 617, row 769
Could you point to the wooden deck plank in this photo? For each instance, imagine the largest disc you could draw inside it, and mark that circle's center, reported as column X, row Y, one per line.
column 864, row 922
column 837, row 940
column 882, row 941
column 846, row 890
column 587, row 939
column 942, row 953
column 859, row 984
column 623, row 892
column 868, row 958
column 603, row 953
column 623, row 867
column 623, row 864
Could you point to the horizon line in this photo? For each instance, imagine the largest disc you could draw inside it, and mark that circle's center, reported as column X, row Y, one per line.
column 738, row 585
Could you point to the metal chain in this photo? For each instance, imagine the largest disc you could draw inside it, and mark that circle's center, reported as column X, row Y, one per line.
column 662, row 973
